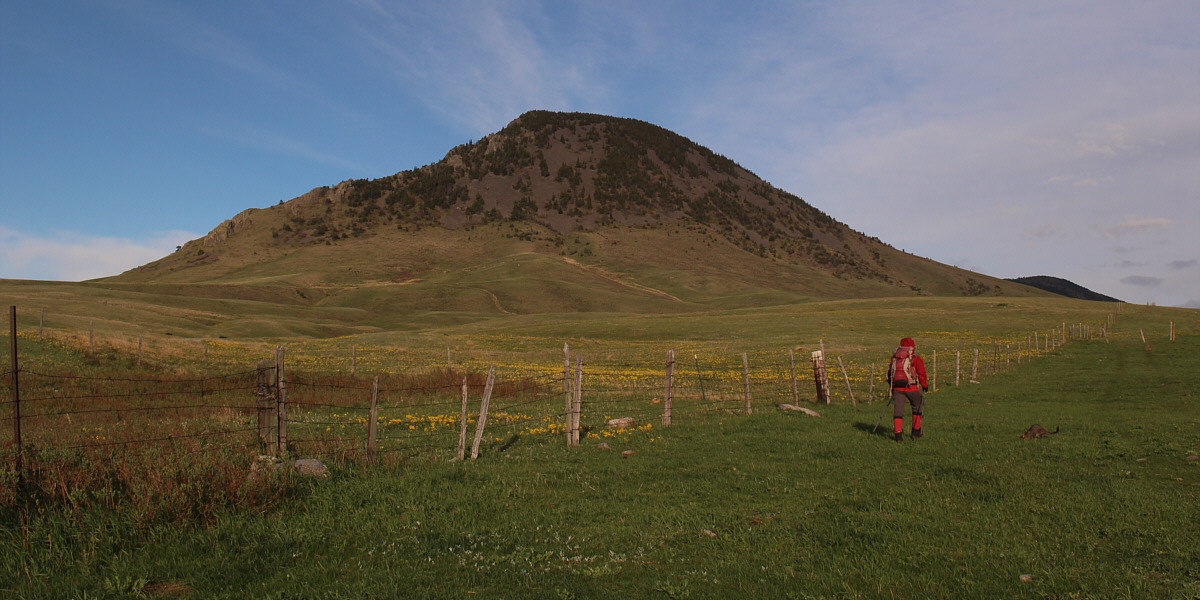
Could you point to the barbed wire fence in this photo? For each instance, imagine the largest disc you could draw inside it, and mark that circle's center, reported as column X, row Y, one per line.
column 296, row 406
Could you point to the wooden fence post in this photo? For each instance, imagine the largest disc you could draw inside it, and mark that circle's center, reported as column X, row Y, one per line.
column 957, row 367
column 569, row 395
column 264, row 392
column 462, row 425
column 16, row 387
column 204, row 381
column 871, row 386
column 669, row 388
column 795, row 391
column 280, row 404
column 847, row 379
column 746, row 380
column 373, row 423
column 577, row 402
column 933, row 383
column 483, row 411
column 820, row 375
column 975, row 366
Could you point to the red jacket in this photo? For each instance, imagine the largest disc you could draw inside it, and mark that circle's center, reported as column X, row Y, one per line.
column 918, row 365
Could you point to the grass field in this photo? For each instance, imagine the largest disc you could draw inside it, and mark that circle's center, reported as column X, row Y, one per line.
column 773, row 505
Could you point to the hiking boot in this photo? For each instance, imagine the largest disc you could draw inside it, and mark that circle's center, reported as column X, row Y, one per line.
column 899, row 437
column 916, row 433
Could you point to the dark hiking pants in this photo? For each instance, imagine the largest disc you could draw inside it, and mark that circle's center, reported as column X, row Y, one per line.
column 915, row 398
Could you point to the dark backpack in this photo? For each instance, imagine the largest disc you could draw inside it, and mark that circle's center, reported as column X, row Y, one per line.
column 902, row 368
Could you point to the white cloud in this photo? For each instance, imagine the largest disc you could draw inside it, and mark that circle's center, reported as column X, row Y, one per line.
column 69, row 256
column 1138, row 225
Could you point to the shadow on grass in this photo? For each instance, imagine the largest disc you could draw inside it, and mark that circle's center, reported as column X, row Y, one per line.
column 884, row 430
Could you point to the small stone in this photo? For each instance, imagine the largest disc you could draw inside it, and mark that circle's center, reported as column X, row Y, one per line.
column 1026, row 577
column 1193, row 457
column 708, row 533
column 604, row 446
column 627, row 454
column 1142, row 459
column 310, row 467
column 622, row 423
column 794, row 408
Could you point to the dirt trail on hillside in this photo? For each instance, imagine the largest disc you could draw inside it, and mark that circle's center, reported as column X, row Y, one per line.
column 604, row 274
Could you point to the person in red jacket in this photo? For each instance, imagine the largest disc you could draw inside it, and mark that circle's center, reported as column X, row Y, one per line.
column 908, row 381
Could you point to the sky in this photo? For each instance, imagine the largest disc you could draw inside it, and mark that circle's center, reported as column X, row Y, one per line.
column 1011, row 138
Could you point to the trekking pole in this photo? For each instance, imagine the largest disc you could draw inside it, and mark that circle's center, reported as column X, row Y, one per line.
column 889, row 403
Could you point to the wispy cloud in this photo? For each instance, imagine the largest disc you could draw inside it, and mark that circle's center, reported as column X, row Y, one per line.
column 1138, row 225
column 186, row 30
column 479, row 64
column 258, row 138
column 1183, row 264
column 69, row 256
column 1142, row 280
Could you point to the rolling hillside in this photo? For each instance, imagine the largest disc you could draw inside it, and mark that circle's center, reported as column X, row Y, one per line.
column 557, row 212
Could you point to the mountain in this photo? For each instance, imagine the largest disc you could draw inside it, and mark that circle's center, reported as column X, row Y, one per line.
column 1062, row 287
column 557, row 212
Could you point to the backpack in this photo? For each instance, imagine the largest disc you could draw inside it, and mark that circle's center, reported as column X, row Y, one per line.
column 901, row 368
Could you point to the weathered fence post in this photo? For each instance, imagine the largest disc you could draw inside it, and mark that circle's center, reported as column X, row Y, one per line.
column 847, row 379
column 569, row 395
column 264, row 392
column 483, row 411
column 669, row 388
column 820, row 375
column 933, row 382
column 374, row 422
column 795, row 391
column 576, row 406
column 746, row 380
column 16, row 386
column 281, row 403
column 462, row 425
column 204, row 381
column 957, row 367
column 975, row 366
column 871, row 386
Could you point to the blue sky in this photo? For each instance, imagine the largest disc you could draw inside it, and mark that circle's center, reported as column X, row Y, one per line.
column 1011, row 138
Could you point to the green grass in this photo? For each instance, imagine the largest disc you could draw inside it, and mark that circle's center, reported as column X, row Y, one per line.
column 773, row 505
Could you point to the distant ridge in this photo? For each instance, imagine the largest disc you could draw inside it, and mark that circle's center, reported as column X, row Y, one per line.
column 1062, row 287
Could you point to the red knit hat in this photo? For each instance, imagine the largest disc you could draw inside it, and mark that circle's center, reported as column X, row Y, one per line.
column 908, row 342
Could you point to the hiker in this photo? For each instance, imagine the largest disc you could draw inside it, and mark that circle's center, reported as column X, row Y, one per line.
column 907, row 378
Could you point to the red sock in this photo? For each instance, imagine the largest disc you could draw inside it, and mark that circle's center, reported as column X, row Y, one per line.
column 916, row 422
column 899, row 425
